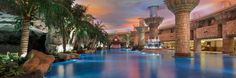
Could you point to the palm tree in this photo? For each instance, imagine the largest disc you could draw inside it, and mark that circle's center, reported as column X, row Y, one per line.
column 66, row 20
column 29, row 9
column 92, row 34
column 78, row 12
column 126, row 39
column 102, row 35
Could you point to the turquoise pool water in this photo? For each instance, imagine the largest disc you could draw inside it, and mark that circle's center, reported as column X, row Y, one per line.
column 123, row 63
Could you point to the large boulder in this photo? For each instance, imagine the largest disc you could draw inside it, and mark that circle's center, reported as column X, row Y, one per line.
column 63, row 56
column 67, row 56
column 30, row 65
column 39, row 62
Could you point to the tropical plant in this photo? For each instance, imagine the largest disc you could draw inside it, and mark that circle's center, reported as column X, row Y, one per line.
column 66, row 20
column 10, row 69
column 91, row 34
column 10, row 65
column 101, row 34
column 29, row 9
column 58, row 14
column 126, row 39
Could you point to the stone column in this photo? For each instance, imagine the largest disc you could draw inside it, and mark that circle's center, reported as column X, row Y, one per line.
column 136, row 39
column 141, row 32
column 152, row 33
column 182, row 10
column 197, row 45
column 153, row 21
column 228, row 41
column 228, row 45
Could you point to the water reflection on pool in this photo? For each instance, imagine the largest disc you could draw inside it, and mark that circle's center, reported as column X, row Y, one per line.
column 123, row 63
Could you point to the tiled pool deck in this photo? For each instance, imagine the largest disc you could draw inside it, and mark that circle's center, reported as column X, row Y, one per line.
column 123, row 63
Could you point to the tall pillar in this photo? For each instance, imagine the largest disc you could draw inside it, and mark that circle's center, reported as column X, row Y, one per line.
column 228, row 45
column 136, row 38
column 141, row 32
column 228, row 41
column 153, row 21
column 182, row 10
column 197, row 45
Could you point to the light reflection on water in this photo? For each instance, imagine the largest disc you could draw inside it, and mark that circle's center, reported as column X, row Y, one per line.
column 122, row 63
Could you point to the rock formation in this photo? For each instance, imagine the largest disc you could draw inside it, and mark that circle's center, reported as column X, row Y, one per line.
column 39, row 62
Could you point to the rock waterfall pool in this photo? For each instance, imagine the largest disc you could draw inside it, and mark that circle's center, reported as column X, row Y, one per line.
column 124, row 63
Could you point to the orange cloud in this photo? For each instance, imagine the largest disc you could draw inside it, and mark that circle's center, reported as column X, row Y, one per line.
column 99, row 10
column 123, row 14
column 131, row 22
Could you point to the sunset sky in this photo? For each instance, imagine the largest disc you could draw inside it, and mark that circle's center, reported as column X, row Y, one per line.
column 122, row 15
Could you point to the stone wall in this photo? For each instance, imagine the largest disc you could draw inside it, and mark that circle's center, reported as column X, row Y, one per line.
column 54, row 39
column 4, row 48
column 9, row 41
column 10, row 38
column 167, row 30
column 167, row 36
column 207, row 32
column 230, row 28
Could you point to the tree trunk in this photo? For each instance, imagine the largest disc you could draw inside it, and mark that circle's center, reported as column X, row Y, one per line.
column 75, row 41
column 25, row 35
column 72, row 34
column 76, row 46
column 48, row 41
column 64, row 38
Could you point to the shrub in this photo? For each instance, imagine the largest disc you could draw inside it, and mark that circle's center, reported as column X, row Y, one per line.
column 10, row 65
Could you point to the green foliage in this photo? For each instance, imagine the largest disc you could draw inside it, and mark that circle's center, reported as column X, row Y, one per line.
column 31, row 9
column 9, row 65
column 4, row 58
column 61, row 15
column 13, row 57
column 91, row 34
column 10, row 69
column 68, row 52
